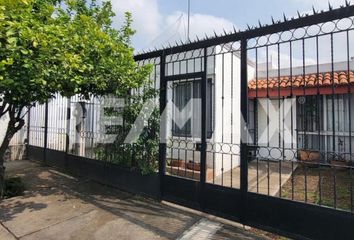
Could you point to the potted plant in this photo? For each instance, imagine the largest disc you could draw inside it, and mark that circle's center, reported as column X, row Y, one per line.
column 306, row 155
column 339, row 162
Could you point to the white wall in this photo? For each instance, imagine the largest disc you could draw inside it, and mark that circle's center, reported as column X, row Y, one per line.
column 3, row 126
column 36, row 135
column 18, row 138
column 270, row 137
column 228, row 115
column 17, row 142
column 57, row 120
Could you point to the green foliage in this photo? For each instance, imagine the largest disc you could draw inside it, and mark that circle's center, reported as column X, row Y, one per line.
column 14, row 187
column 61, row 46
column 143, row 154
column 69, row 47
column 66, row 47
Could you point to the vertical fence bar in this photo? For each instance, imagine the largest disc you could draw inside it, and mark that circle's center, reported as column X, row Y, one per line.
column 67, row 139
column 268, row 120
column 255, row 105
column 45, row 132
column 306, row 136
column 244, row 130
column 334, row 99
column 222, row 114
column 163, row 99
column 292, row 117
column 318, row 119
column 204, row 132
column 28, row 131
column 280, row 121
column 350, row 124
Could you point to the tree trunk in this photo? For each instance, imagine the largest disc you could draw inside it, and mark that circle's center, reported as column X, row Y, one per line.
column 10, row 132
column 5, row 144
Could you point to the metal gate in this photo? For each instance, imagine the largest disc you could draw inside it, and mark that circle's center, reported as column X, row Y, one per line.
column 198, row 165
column 186, row 137
column 272, row 107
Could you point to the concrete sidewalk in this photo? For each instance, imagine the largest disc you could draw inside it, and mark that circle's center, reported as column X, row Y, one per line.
column 58, row 206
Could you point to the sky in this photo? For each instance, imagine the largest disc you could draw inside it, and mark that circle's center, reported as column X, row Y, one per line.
column 159, row 22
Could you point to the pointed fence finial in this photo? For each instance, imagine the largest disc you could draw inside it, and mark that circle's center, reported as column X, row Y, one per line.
column 215, row 34
column 259, row 23
column 347, row 3
column 299, row 14
column 273, row 20
column 314, row 10
column 285, row 19
column 330, row 6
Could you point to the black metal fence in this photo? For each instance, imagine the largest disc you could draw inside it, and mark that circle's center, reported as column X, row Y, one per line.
column 256, row 126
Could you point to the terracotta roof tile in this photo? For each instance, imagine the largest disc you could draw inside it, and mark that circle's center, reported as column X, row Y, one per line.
column 309, row 80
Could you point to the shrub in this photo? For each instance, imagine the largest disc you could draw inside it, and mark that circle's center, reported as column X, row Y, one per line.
column 14, row 187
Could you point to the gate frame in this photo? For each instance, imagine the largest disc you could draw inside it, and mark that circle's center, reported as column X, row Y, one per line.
column 265, row 212
column 197, row 188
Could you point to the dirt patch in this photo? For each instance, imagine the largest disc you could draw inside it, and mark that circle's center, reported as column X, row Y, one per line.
column 322, row 185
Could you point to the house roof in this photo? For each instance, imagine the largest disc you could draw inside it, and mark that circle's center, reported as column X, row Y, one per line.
column 340, row 78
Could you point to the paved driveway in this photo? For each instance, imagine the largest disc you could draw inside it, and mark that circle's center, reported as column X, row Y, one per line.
column 58, row 206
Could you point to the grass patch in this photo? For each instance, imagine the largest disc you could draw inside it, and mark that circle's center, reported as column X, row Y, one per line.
column 14, row 187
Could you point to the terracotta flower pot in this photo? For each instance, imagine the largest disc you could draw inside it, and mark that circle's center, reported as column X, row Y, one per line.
column 310, row 158
column 177, row 163
column 193, row 166
column 339, row 164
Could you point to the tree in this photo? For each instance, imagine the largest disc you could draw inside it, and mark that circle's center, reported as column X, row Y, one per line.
column 60, row 46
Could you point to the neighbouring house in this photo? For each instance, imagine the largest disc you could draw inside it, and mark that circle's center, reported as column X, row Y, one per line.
column 304, row 108
column 311, row 108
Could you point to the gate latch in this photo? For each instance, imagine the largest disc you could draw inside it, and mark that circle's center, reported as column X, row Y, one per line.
column 198, row 147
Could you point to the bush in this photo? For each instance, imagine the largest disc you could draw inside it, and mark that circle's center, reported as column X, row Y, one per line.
column 14, row 187
column 142, row 155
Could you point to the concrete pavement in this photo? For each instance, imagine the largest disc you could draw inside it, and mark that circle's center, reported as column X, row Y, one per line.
column 58, row 206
